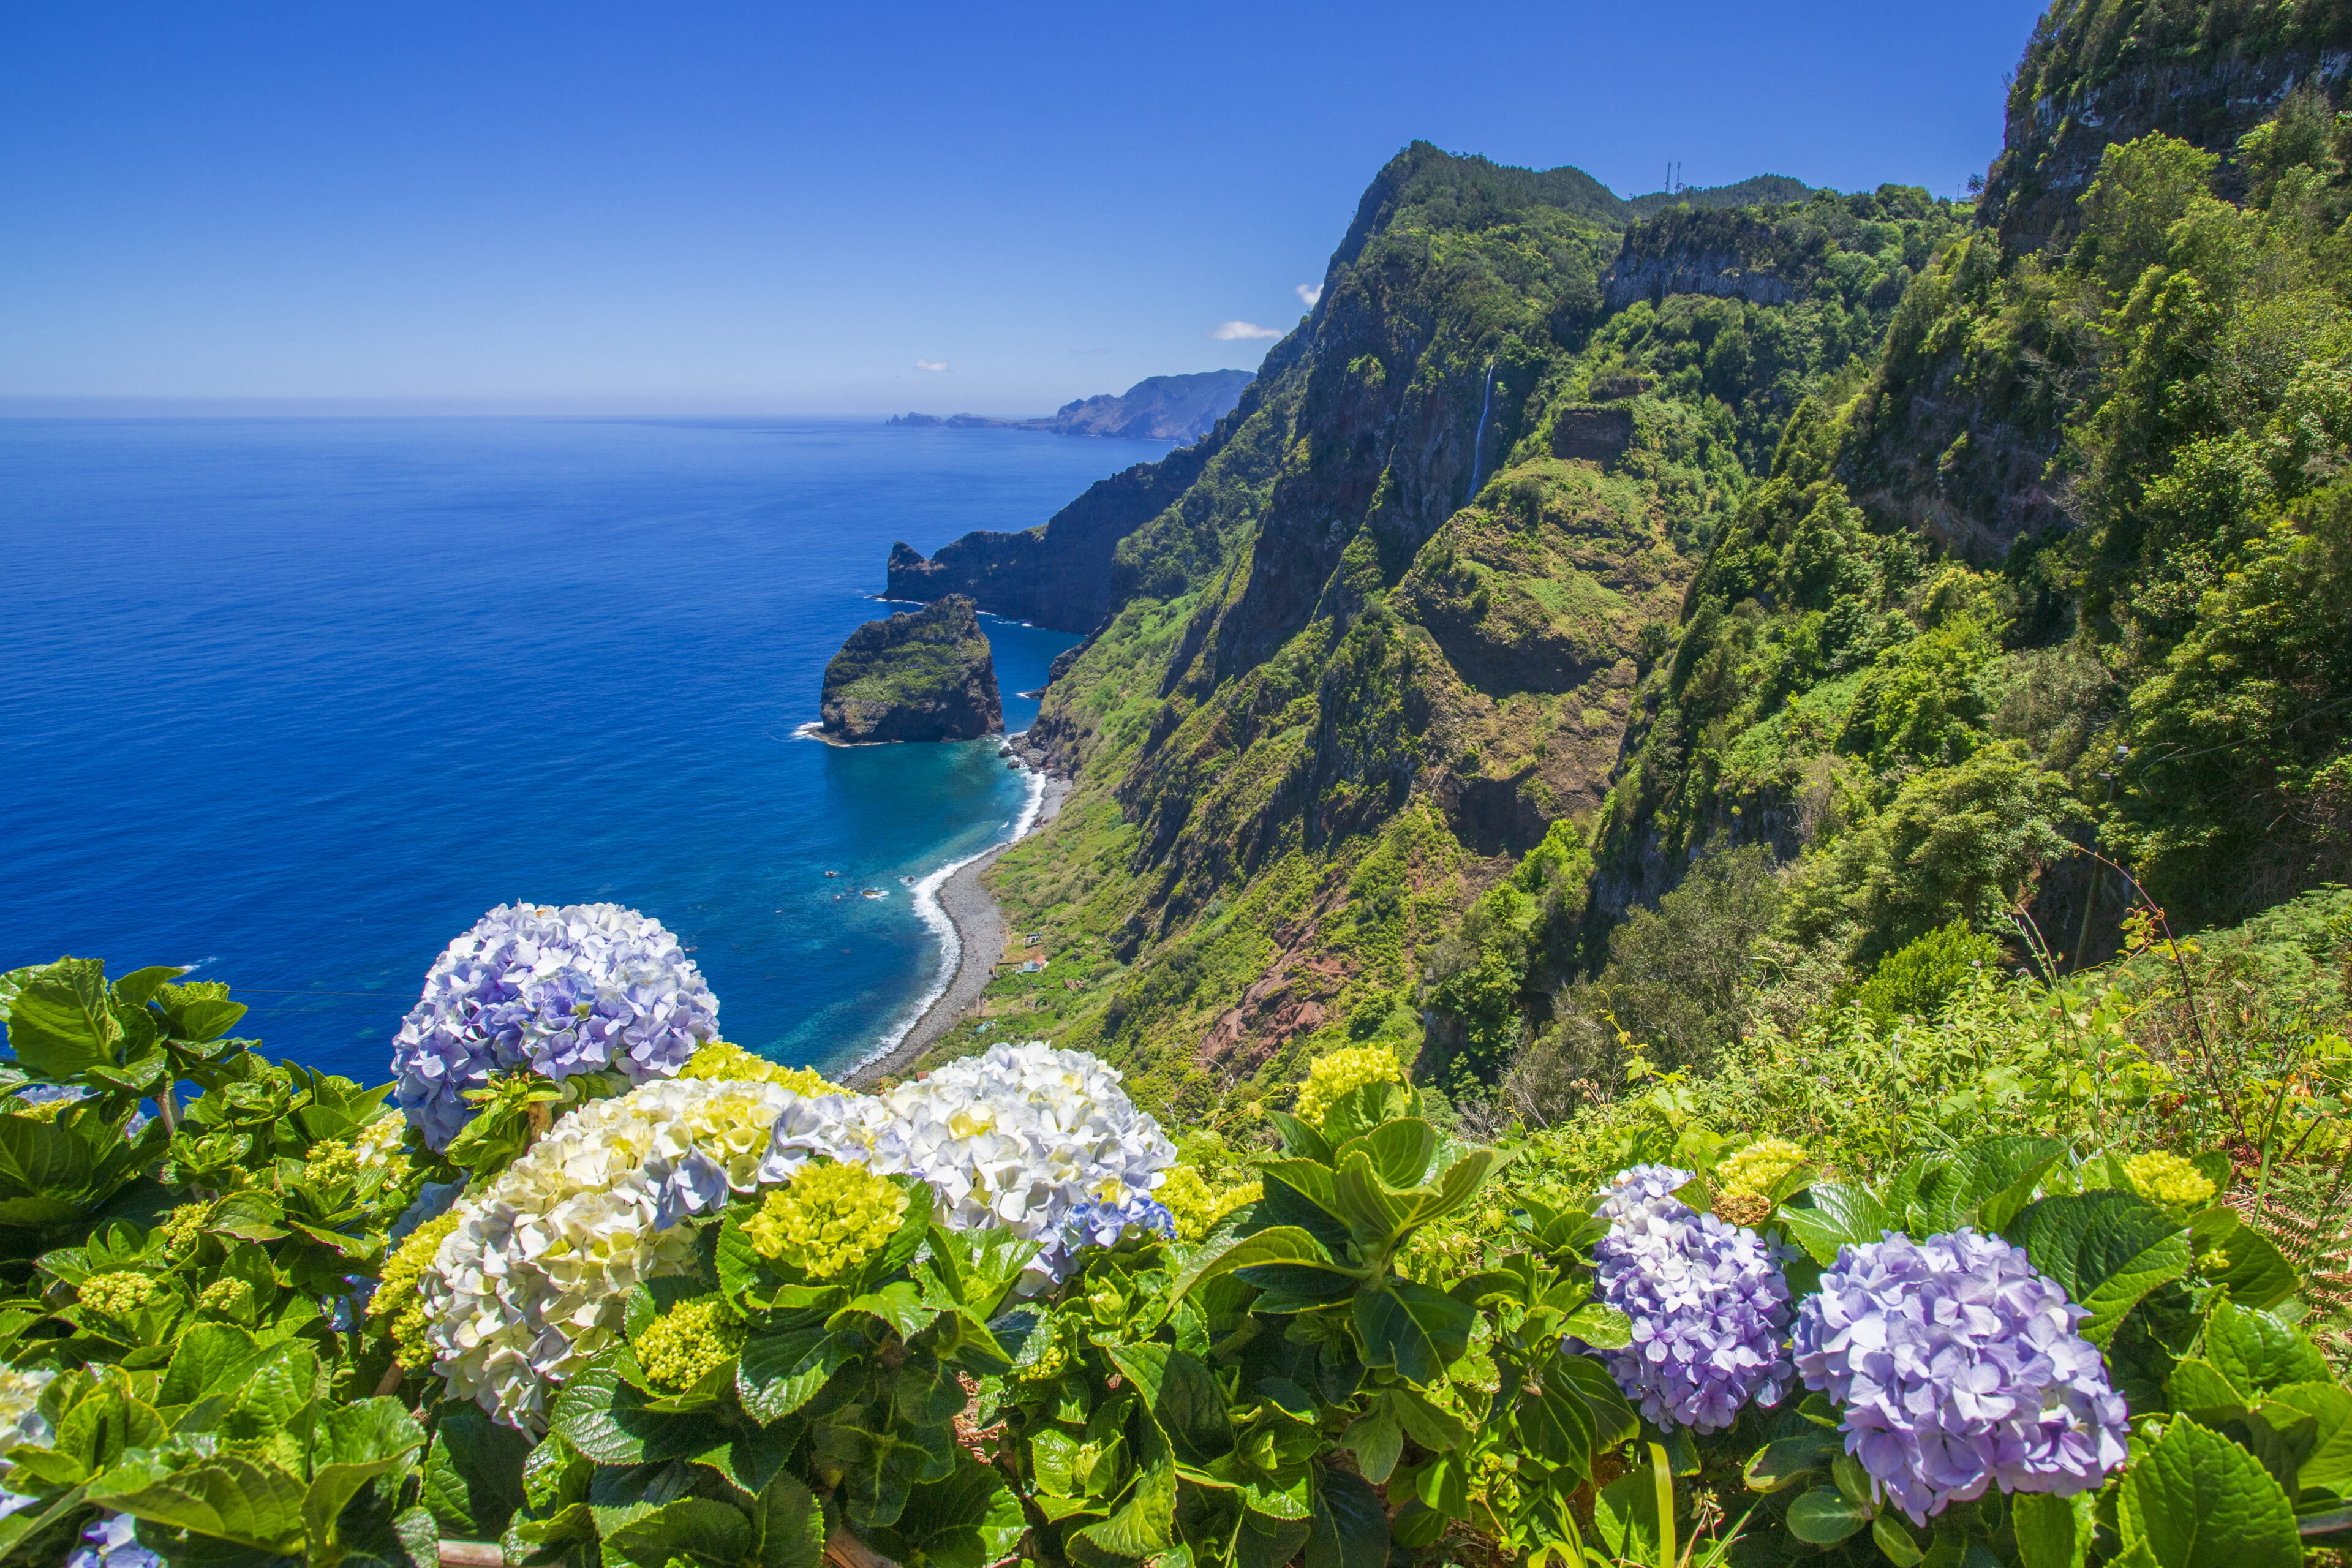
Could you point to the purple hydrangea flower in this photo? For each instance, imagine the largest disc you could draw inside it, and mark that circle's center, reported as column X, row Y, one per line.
column 1958, row 1368
column 1710, row 1309
column 112, row 1544
column 583, row 988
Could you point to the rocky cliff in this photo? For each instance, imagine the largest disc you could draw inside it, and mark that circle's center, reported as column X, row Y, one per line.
column 925, row 675
column 2100, row 72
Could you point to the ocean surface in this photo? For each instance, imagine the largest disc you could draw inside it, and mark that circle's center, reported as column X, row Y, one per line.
column 295, row 701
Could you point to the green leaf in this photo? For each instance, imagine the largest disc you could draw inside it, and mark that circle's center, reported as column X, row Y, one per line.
column 2051, row 1531
column 778, row 1374
column 1626, row 1517
column 240, row 1499
column 1281, row 1244
column 1993, row 1174
column 1837, row 1216
column 1602, row 1327
column 473, row 1475
column 702, row 1531
column 967, row 1521
column 1350, row 1528
column 1432, row 1425
column 2195, row 1499
column 2108, row 1249
column 1782, row 1463
column 2254, row 1272
column 1377, row 1441
column 585, row 1415
column 898, row 1304
column 211, row 1358
column 1895, row 1541
column 61, row 1021
column 2326, row 1445
column 2257, row 1352
column 1400, row 1152
column 1825, row 1516
column 1298, row 1139
column 355, row 1443
column 1394, row 1339
column 791, row 1524
column 1143, row 1526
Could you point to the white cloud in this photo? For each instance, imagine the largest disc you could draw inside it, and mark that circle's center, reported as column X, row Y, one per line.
column 930, row 364
column 1310, row 292
column 1226, row 331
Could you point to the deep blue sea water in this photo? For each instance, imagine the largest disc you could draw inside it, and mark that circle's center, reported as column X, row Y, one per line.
column 295, row 701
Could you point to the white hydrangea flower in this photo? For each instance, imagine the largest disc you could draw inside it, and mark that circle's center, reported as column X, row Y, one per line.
column 1040, row 1140
column 21, row 1420
column 533, row 1281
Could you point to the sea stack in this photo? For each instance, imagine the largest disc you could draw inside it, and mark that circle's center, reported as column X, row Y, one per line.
column 924, row 676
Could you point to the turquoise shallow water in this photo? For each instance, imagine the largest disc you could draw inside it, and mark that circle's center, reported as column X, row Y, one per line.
column 296, row 700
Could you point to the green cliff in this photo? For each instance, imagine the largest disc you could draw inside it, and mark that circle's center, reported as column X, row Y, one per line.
column 927, row 675
column 1871, row 568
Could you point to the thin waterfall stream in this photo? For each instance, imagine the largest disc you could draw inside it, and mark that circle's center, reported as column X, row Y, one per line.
column 1479, row 439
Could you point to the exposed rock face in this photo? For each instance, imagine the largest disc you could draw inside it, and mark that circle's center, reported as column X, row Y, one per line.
column 927, row 675
column 1158, row 408
column 2083, row 86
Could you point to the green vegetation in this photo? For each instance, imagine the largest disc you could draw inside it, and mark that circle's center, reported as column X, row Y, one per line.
column 925, row 675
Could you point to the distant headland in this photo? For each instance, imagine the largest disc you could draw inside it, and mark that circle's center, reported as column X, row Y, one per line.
column 1180, row 408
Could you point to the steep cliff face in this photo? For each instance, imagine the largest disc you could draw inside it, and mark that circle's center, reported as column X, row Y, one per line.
column 2105, row 71
column 928, row 675
column 1388, row 634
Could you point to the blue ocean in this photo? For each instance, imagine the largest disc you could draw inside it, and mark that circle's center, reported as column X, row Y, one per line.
column 295, row 701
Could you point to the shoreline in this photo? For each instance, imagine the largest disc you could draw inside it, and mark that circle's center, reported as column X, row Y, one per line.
column 977, row 925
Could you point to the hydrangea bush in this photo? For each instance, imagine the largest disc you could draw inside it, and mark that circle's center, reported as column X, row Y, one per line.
column 585, row 988
column 718, row 1315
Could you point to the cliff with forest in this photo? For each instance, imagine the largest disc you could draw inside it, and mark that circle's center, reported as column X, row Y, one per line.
column 1607, row 629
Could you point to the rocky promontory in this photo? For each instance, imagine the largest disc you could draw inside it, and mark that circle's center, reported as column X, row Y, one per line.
column 926, row 675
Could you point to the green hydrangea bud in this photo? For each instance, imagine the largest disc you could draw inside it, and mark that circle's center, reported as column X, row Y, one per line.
column 118, row 1295
column 693, row 1339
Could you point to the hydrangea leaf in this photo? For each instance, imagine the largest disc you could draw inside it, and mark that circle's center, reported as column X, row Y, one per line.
column 2052, row 1531
column 1558, row 1425
column 2195, row 1499
column 1824, row 1516
column 1183, row 1397
column 790, row 1525
column 1787, row 1461
column 60, row 1022
column 966, row 1520
column 2108, row 1249
column 237, row 1498
column 1376, row 1216
column 2254, row 1272
column 1298, row 1139
column 1600, row 1326
column 1266, row 1542
column 585, row 1415
column 1142, row 1526
column 1278, row 1243
column 474, row 1474
column 1350, row 1528
column 2326, row 1446
column 1626, row 1517
column 2198, row 1388
column 1432, row 1425
column 1839, row 1214
column 353, row 1445
column 1400, row 1150
column 1411, row 1330
column 2257, row 1352
column 702, row 1531
column 1376, row 1442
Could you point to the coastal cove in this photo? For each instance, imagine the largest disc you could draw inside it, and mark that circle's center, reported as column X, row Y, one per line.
column 296, row 700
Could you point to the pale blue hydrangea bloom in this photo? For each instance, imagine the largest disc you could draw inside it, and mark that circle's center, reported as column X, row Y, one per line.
column 585, row 988
column 109, row 1544
column 1708, row 1305
column 1958, row 1368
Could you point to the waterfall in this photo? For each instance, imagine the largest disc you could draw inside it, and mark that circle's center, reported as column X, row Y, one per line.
column 1479, row 439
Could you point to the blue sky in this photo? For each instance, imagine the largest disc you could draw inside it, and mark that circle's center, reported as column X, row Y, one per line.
column 704, row 204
